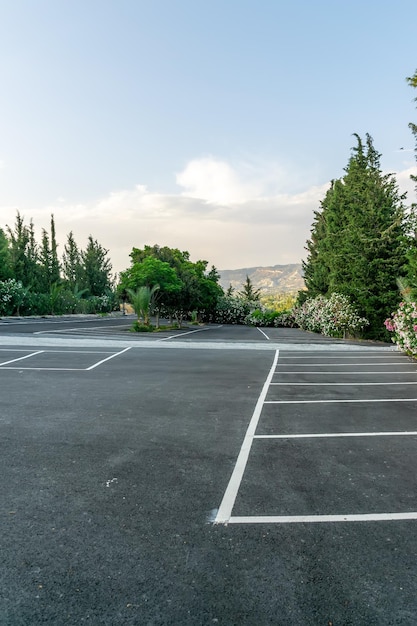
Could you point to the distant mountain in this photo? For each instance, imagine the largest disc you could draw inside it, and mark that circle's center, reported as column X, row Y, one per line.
column 274, row 279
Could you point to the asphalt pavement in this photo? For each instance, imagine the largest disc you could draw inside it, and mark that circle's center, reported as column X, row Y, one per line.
column 232, row 476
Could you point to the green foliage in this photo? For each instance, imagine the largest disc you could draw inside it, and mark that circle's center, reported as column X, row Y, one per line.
column 261, row 317
column 96, row 272
column 142, row 302
column 278, row 301
column 403, row 326
column 184, row 286
column 359, row 239
column 140, row 327
column 231, row 310
column 85, row 286
column 248, row 292
column 286, row 319
column 334, row 316
column 12, row 295
column 72, row 264
column 5, row 259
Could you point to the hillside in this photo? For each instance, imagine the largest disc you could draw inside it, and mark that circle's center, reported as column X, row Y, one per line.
column 274, row 279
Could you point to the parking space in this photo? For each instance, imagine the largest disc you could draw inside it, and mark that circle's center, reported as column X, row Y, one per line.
column 327, row 442
column 55, row 360
column 118, row 461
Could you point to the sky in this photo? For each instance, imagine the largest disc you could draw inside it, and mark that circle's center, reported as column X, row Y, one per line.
column 209, row 126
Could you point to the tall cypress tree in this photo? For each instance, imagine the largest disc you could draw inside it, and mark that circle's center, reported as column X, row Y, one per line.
column 55, row 266
column 359, row 244
column 5, row 261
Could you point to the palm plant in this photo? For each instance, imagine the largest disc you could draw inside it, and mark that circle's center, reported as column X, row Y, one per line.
column 142, row 301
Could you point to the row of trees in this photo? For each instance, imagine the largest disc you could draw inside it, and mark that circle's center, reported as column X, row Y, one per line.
column 36, row 280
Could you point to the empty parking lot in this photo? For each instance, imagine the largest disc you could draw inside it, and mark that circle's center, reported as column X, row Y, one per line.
column 259, row 480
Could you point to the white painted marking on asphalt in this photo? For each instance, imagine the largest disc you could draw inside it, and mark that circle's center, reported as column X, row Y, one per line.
column 311, row 519
column 79, row 351
column 226, row 506
column 338, row 401
column 86, row 329
column 106, row 359
column 189, row 332
column 20, row 358
column 356, row 356
column 393, row 433
column 353, row 373
column 46, row 369
column 340, row 364
column 261, row 331
column 353, row 384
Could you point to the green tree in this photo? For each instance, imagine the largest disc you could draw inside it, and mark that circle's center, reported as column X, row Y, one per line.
column 55, row 268
column 5, row 260
column 248, row 292
column 71, row 263
column 359, row 239
column 184, row 286
column 45, row 260
column 95, row 269
column 23, row 253
column 148, row 273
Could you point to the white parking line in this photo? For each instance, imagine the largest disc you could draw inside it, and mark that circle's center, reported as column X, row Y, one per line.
column 392, row 433
column 226, row 506
column 339, row 364
column 20, row 358
column 224, row 515
column 189, row 332
column 353, row 373
column 311, row 519
column 88, row 369
column 264, row 334
column 338, row 401
column 355, row 384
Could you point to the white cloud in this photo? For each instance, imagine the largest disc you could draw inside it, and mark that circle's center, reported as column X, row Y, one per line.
column 215, row 182
column 232, row 216
column 405, row 183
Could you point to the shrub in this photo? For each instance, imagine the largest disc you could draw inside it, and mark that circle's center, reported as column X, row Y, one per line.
column 261, row 317
column 140, row 327
column 334, row 316
column 286, row 319
column 403, row 325
column 231, row 310
column 12, row 296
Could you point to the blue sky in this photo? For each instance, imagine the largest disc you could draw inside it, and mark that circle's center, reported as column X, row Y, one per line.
column 214, row 127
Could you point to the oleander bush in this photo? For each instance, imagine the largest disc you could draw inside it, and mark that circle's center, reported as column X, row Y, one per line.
column 12, row 296
column 334, row 316
column 285, row 319
column 232, row 310
column 403, row 326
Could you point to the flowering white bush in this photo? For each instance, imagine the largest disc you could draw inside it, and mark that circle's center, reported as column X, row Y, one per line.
column 334, row 316
column 403, row 325
column 230, row 310
column 286, row 319
column 12, row 294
